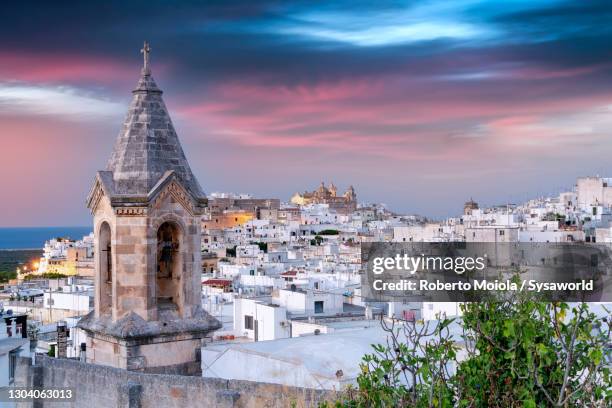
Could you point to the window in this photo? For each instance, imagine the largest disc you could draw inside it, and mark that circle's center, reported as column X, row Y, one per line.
column 502, row 232
column 12, row 365
column 248, row 322
column 318, row 306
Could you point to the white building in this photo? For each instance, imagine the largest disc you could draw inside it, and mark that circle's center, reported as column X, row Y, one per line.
column 325, row 361
column 492, row 233
column 546, row 231
column 71, row 298
column 260, row 320
column 310, row 302
column 593, row 192
column 329, row 361
column 431, row 232
column 437, row 310
column 11, row 347
column 57, row 249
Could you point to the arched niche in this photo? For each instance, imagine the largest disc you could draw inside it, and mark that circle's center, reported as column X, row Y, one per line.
column 169, row 268
column 105, row 268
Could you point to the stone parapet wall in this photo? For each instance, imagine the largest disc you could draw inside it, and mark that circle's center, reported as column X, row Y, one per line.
column 101, row 386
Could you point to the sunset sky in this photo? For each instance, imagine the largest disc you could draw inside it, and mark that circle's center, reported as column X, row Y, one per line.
column 419, row 104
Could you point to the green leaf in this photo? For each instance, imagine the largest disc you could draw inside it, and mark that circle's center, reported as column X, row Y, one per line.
column 509, row 328
column 595, row 355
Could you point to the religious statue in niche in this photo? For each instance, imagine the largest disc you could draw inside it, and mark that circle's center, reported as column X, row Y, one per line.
column 167, row 248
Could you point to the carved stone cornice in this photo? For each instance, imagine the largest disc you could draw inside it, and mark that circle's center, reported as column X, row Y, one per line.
column 131, row 211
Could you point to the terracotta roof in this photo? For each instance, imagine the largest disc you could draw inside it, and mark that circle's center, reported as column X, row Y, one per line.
column 289, row 273
column 217, row 282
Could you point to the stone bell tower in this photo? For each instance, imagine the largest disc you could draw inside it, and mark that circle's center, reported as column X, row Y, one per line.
column 147, row 207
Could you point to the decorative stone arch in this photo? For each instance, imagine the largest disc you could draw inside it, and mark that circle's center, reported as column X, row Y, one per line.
column 170, row 256
column 167, row 217
column 104, row 267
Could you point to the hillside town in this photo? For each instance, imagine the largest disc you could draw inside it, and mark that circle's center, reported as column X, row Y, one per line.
column 304, row 204
column 244, row 293
column 283, row 278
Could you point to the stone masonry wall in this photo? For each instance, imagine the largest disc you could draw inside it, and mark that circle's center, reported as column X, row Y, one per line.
column 101, row 386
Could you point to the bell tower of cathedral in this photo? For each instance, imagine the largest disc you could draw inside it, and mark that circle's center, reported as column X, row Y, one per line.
column 147, row 208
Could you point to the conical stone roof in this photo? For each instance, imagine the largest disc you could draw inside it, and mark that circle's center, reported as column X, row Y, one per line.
column 148, row 146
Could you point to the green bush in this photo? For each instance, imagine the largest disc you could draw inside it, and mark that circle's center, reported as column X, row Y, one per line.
column 316, row 240
column 6, row 276
column 533, row 354
column 262, row 246
column 48, row 275
column 520, row 353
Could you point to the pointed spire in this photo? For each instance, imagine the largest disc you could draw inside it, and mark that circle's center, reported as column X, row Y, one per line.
column 148, row 145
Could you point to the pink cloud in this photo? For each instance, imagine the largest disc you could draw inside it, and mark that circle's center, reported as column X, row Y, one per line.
column 531, row 73
column 66, row 69
column 389, row 117
column 372, row 130
column 303, row 93
column 62, row 68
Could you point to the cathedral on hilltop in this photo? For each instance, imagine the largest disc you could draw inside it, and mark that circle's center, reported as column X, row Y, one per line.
column 345, row 203
column 147, row 206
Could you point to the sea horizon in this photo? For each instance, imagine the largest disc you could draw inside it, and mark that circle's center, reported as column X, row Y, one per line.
column 20, row 238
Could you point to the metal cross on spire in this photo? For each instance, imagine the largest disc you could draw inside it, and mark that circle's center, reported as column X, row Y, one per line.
column 145, row 52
